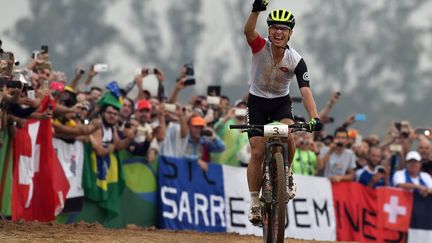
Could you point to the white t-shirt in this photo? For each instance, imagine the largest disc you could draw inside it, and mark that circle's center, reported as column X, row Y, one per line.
column 173, row 145
column 338, row 164
column 399, row 177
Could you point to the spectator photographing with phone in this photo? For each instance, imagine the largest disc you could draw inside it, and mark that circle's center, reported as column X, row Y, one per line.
column 339, row 162
column 373, row 174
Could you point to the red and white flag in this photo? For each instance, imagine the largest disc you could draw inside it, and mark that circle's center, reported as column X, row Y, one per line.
column 39, row 184
column 394, row 208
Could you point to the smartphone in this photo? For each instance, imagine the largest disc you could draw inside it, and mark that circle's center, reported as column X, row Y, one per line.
column 31, row 94
column 44, row 48
column 380, row 169
column 45, row 85
column 358, row 139
column 360, row 117
column 189, row 81
column 5, row 56
column 395, row 148
column 170, row 107
column 240, row 112
column 214, row 90
column 423, row 131
column 189, row 69
column 100, row 67
column 14, row 84
column 213, row 100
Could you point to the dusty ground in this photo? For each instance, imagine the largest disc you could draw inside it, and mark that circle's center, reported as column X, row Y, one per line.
column 83, row 232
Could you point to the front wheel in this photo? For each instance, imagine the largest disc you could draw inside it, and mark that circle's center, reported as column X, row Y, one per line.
column 274, row 213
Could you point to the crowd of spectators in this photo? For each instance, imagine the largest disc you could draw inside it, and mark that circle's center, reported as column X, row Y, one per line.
column 150, row 125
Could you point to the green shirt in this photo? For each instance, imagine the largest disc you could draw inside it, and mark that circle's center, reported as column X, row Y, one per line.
column 234, row 141
column 304, row 162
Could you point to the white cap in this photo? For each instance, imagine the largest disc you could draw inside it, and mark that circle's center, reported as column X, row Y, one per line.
column 413, row 155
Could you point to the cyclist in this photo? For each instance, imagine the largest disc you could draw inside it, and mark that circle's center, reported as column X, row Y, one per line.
column 274, row 64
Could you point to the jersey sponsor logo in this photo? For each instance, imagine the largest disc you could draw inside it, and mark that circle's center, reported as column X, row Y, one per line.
column 284, row 69
column 306, row 76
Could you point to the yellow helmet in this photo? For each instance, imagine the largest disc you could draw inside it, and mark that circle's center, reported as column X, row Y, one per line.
column 281, row 16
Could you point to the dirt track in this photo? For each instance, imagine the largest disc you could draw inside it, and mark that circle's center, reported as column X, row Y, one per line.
column 83, row 232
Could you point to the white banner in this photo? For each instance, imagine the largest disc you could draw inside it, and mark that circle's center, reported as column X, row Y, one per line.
column 71, row 156
column 310, row 215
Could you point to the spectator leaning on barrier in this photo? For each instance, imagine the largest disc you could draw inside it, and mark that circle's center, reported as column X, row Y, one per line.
column 191, row 139
column 412, row 178
column 373, row 174
column 146, row 140
column 305, row 161
column 106, row 139
column 339, row 162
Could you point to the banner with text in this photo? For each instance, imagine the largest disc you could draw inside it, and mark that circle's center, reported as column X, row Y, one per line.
column 309, row 216
column 189, row 197
column 357, row 210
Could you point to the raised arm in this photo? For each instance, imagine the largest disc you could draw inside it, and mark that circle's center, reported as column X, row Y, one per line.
column 249, row 28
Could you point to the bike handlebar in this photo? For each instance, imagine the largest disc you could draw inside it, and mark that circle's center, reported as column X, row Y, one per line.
column 296, row 127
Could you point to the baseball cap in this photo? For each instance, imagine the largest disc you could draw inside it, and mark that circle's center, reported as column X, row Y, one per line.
column 57, row 86
column 198, row 121
column 143, row 104
column 413, row 156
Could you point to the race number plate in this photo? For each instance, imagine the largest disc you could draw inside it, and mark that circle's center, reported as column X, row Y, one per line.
column 276, row 130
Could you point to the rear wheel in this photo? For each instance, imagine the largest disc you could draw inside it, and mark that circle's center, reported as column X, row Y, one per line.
column 274, row 213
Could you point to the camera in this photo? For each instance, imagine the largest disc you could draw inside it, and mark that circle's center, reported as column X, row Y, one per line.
column 380, row 169
column 339, row 144
column 207, row 133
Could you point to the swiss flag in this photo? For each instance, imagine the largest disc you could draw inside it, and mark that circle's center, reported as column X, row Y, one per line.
column 394, row 208
column 39, row 186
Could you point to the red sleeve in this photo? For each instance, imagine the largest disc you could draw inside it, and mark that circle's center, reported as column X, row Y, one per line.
column 257, row 44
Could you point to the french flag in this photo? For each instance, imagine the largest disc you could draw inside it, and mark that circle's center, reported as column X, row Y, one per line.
column 421, row 219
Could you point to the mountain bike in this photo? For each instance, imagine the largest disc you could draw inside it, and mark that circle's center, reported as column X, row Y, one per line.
column 276, row 176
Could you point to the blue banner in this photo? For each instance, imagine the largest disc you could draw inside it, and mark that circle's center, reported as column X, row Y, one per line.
column 189, row 197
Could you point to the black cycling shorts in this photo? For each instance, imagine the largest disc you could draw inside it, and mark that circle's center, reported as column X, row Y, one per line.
column 262, row 111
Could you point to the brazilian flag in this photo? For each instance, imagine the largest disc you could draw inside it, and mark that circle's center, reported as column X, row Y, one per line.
column 103, row 181
column 5, row 174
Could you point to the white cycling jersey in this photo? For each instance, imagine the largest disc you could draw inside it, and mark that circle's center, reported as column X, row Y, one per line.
column 270, row 80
